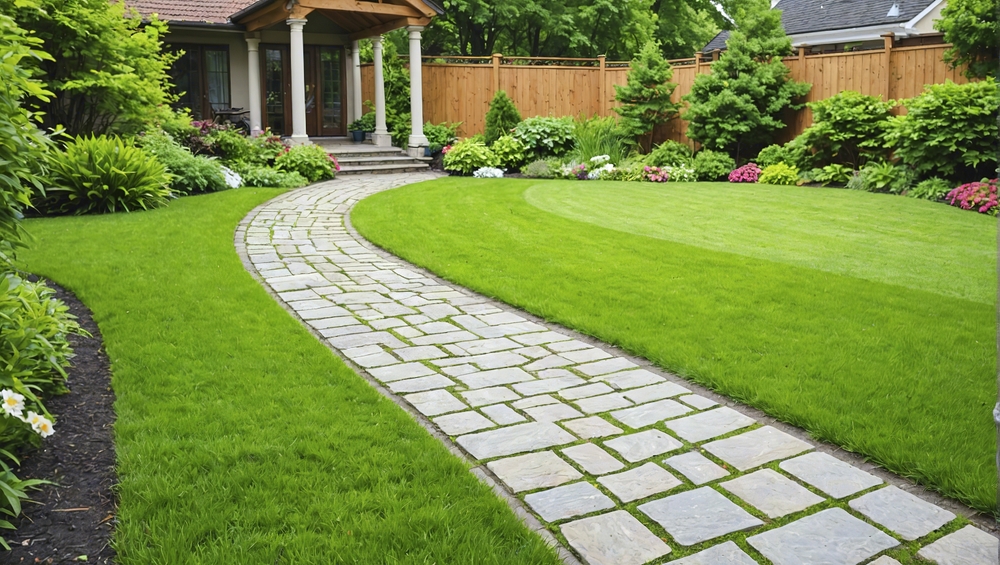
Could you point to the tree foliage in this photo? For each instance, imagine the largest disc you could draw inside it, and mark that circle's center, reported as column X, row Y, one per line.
column 739, row 104
column 109, row 73
column 972, row 27
column 685, row 26
column 646, row 97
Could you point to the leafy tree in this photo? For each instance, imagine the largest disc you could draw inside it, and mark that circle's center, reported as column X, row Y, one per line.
column 646, row 97
column 501, row 118
column 22, row 144
column 972, row 27
column 738, row 105
column 685, row 26
column 111, row 71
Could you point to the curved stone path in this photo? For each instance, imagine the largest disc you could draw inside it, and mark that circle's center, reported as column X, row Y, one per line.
column 625, row 463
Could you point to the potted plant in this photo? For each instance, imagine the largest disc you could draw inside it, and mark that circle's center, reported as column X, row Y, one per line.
column 361, row 126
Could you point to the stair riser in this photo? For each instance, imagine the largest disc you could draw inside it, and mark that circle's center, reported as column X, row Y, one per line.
column 385, row 171
column 356, row 163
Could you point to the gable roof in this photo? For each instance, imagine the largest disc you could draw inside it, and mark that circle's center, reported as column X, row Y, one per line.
column 209, row 11
column 807, row 16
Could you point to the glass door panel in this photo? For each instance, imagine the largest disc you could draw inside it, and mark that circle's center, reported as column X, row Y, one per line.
column 274, row 89
column 331, row 60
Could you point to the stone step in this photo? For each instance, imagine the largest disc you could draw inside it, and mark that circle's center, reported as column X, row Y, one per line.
column 408, row 167
column 367, row 160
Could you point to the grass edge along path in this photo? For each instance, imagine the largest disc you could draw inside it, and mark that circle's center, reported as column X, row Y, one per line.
column 902, row 376
column 241, row 438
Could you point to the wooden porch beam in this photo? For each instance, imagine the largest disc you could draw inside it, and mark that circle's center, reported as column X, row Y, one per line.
column 276, row 13
column 362, row 7
column 389, row 26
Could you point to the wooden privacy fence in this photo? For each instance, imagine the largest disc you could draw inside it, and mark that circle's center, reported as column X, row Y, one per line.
column 459, row 89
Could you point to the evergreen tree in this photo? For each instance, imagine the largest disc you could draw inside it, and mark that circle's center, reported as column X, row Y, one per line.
column 646, row 98
column 738, row 106
column 501, row 118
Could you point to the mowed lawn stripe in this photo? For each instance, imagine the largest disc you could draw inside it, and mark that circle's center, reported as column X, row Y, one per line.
column 903, row 376
column 240, row 437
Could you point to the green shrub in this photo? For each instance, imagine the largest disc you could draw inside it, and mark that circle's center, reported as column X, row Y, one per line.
column 232, row 145
column 310, row 161
column 713, row 165
column 191, row 174
column 930, row 189
column 885, row 177
column 835, row 174
column 772, row 155
column 545, row 137
column 670, row 154
column 441, row 135
column 510, row 152
column 501, row 118
column 848, row 128
column 263, row 176
column 645, row 99
column 468, row 155
column 780, row 174
column 103, row 174
column 798, row 154
column 948, row 128
column 540, row 169
column 601, row 136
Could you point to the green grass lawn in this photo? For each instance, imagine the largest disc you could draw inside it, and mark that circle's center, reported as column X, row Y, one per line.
column 240, row 437
column 867, row 319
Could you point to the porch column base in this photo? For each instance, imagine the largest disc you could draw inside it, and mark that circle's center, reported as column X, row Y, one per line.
column 382, row 139
column 299, row 140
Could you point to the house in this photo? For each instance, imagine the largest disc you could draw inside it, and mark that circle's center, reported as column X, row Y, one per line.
column 843, row 25
column 294, row 64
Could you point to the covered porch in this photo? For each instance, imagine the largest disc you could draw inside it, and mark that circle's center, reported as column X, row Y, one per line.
column 313, row 88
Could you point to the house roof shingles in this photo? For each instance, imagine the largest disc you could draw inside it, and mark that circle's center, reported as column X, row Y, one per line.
column 806, row 16
column 194, row 11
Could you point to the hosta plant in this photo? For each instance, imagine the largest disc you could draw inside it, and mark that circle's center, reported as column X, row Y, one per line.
column 546, row 136
column 469, row 155
column 103, row 175
column 931, row 189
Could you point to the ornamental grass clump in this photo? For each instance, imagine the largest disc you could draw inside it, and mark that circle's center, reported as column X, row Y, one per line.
column 747, row 173
column 978, row 196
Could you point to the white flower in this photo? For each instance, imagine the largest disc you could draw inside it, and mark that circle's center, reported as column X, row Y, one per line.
column 40, row 424
column 488, row 173
column 13, row 403
column 600, row 159
column 597, row 173
column 233, row 179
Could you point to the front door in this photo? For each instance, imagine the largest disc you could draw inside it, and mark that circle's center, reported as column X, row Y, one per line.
column 325, row 109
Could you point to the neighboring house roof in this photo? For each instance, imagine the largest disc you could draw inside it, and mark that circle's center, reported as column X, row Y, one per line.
column 810, row 16
column 210, row 11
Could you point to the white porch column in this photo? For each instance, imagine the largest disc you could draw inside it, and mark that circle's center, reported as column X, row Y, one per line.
column 297, row 52
column 418, row 141
column 253, row 71
column 381, row 136
column 356, row 80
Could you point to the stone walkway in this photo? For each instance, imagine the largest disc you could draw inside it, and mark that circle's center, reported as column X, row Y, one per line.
column 624, row 463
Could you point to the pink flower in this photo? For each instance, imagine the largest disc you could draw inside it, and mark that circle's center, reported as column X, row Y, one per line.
column 979, row 196
column 747, row 173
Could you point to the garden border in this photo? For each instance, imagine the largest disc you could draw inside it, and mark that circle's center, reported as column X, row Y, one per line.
column 980, row 519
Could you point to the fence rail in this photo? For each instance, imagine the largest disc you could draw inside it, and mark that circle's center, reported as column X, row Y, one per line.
column 461, row 91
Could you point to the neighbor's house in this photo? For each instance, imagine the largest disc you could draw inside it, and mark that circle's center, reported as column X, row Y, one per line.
column 824, row 26
column 294, row 64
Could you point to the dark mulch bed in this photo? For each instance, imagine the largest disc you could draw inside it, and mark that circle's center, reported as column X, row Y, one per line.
column 75, row 516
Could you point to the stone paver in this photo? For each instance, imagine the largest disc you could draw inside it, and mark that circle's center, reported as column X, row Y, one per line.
column 771, row 493
column 727, row 553
column 901, row 512
column 567, row 501
column 698, row 515
column 696, row 467
column 480, row 370
column 830, row 536
column 533, row 471
column 639, row 483
column 829, row 474
column 615, row 538
column 968, row 546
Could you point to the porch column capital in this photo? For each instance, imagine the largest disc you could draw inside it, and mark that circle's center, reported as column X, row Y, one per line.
column 417, row 141
column 296, row 23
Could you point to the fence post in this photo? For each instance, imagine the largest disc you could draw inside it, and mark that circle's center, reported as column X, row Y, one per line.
column 697, row 63
column 716, row 53
column 603, row 87
column 496, row 72
column 887, row 83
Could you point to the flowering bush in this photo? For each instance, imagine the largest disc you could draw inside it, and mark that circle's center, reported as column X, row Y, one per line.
column 681, row 173
column 488, row 173
column 978, row 196
column 655, row 174
column 747, row 173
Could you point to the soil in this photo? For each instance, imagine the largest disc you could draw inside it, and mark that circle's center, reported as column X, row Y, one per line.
column 75, row 516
